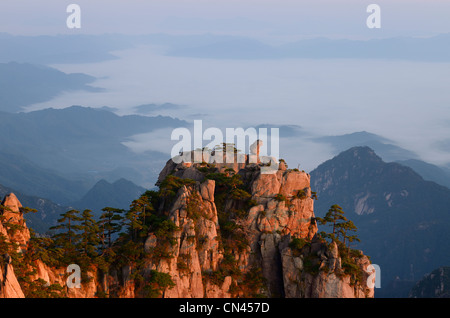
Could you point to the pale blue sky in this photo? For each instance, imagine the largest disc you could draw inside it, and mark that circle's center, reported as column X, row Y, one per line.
column 274, row 20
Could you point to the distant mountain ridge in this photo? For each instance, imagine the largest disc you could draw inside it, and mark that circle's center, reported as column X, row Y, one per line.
column 75, row 146
column 430, row 172
column 389, row 151
column 41, row 83
column 118, row 194
column 434, row 49
column 66, row 151
column 403, row 220
column 384, row 147
column 96, row 48
column 25, row 176
column 51, row 49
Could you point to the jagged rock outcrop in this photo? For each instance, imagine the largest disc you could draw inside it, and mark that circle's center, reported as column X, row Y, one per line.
column 228, row 230
column 9, row 286
column 195, row 247
column 13, row 230
column 316, row 272
column 59, row 275
column 12, row 214
column 282, row 210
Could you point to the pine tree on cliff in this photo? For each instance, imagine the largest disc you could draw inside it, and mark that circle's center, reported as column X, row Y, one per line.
column 67, row 237
column 89, row 236
column 340, row 225
column 345, row 228
column 110, row 223
column 138, row 215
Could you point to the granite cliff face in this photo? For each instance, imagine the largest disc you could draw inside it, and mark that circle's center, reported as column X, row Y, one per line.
column 281, row 211
column 11, row 215
column 234, row 232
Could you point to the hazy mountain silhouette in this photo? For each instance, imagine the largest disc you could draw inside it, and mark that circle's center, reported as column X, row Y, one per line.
column 428, row 171
column 118, row 194
column 435, row 49
column 382, row 146
column 96, row 48
column 61, row 153
column 156, row 108
column 25, row 84
column 20, row 173
column 50, row 49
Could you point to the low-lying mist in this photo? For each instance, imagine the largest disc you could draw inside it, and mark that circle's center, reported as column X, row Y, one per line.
column 403, row 101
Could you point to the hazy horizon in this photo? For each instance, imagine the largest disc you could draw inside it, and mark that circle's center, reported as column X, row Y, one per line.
column 325, row 97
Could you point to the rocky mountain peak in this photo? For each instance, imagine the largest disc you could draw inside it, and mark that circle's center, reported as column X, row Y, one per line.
column 362, row 151
column 10, row 201
column 354, row 156
column 229, row 230
column 281, row 211
column 13, row 216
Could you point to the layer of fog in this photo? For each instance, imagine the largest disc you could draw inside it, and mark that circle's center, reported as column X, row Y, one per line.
column 403, row 101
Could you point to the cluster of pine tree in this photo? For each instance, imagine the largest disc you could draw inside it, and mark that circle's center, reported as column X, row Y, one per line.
column 114, row 239
column 342, row 232
column 117, row 235
column 11, row 252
